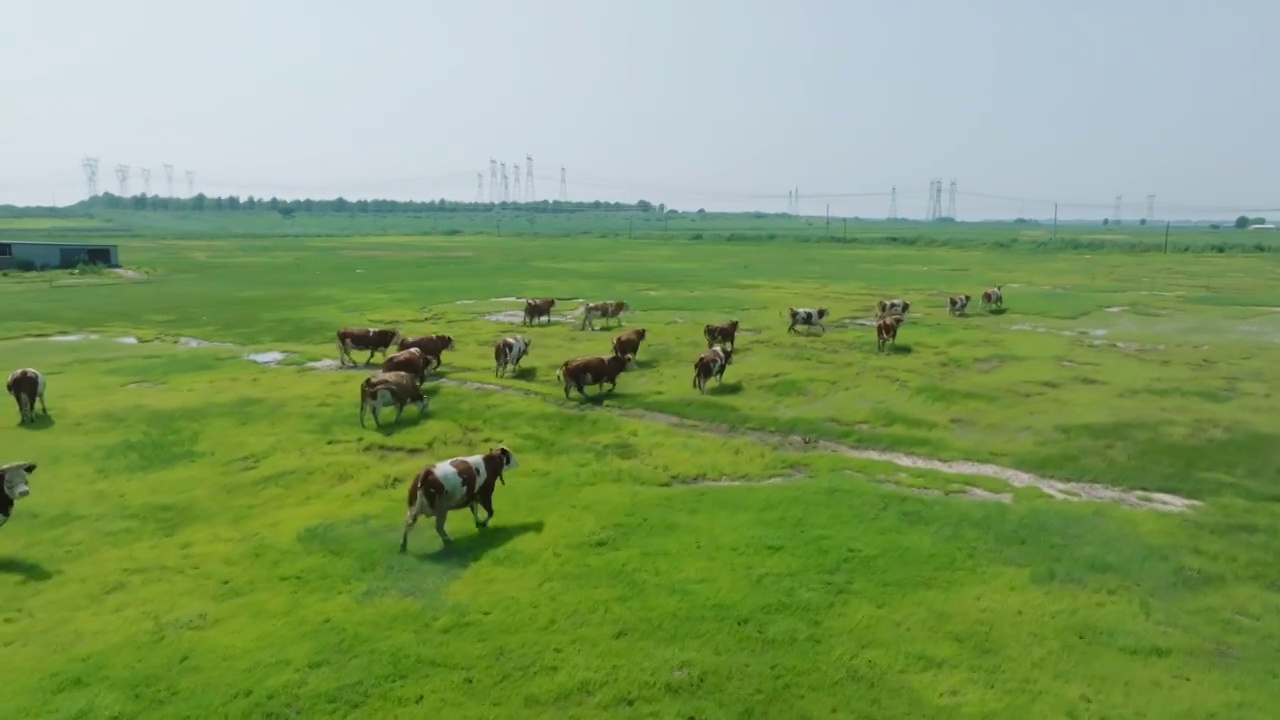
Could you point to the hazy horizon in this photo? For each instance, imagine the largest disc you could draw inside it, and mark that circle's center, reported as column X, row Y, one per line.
column 712, row 104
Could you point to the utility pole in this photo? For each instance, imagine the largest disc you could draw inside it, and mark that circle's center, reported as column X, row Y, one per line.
column 797, row 201
column 90, row 165
column 791, row 203
column 493, row 180
column 828, row 218
column 168, row 180
column 515, row 184
column 479, row 188
column 893, row 203
column 122, row 177
column 191, row 183
column 1055, row 221
column 1167, row 223
column 528, row 178
column 564, row 186
column 146, row 181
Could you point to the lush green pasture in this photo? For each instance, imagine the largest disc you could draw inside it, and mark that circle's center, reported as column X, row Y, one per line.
column 208, row 537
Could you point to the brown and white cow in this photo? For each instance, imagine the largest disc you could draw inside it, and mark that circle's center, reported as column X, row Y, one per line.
column 536, row 308
column 957, row 304
column 433, row 346
column 412, row 361
column 709, row 364
column 390, row 389
column 375, row 340
column 628, row 342
column 584, row 371
column 807, row 317
column 26, row 385
column 896, row 306
column 721, row 333
column 13, row 480
column 509, row 351
column 604, row 309
column 992, row 297
column 454, row 484
column 887, row 331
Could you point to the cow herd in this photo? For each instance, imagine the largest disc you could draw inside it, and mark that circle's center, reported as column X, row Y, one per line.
column 470, row 481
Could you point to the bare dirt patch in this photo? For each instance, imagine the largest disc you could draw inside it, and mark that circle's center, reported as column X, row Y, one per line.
column 267, row 357
column 127, row 273
column 725, row 481
column 197, row 342
column 1116, row 308
column 144, row 384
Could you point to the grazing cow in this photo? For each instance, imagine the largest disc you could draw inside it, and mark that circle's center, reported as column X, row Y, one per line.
column 887, row 331
column 584, row 371
column 536, row 308
column 724, row 334
column 709, row 364
column 13, row 477
column 412, row 361
column 896, row 306
column 605, row 309
column 957, row 304
column 509, row 351
column 628, row 343
column 433, row 346
column 454, row 484
column 807, row 317
column 387, row 389
column 26, row 385
column 375, row 340
column 992, row 297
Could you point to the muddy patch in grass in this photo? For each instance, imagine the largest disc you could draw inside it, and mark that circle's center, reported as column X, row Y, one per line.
column 72, row 337
column 144, row 384
column 725, row 481
column 185, row 341
column 267, row 357
column 1116, row 308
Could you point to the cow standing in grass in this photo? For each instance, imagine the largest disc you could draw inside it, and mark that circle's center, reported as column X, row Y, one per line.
column 581, row 372
column 26, row 385
column 628, row 343
column 957, row 304
column 896, row 306
column 605, row 310
column 709, row 364
column 992, row 298
column 412, row 361
column 432, row 346
column 390, row 389
column 723, row 334
column 887, row 331
column 509, row 351
column 13, row 486
column 454, row 484
column 808, row 317
column 375, row 340
column 537, row 308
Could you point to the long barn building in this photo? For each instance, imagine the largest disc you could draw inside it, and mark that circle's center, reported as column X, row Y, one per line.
column 41, row 255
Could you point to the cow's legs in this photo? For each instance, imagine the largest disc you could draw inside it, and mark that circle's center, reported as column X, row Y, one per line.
column 368, row 360
column 824, row 328
column 399, row 411
column 440, row 517
column 43, row 409
column 581, row 389
column 410, row 519
column 791, row 328
column 486, row 502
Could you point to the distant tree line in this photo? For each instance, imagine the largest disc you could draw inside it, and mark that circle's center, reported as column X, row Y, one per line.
column 286, row 208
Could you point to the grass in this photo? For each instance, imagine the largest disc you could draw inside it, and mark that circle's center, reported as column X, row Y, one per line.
column 209, row 537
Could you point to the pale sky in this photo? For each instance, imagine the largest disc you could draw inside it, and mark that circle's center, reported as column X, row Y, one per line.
column 701, row 103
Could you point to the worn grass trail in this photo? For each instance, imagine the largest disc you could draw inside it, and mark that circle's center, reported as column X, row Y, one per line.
column 209, row 537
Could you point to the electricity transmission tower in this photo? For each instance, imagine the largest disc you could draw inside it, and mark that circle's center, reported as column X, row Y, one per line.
column 893, row 203
column 935, row 200
column 515, row 183
column 1115, row 217
column 951, row 199
column 122, row 177
column 506, row 189
column 564, row 186
column 146, row 181
column 796, row 195
column 1151, row 208
column 791, row 203
column 528, row 178
column 168, row 179
column 90, row 165
column 493, row 180
column 191, row 183
column 479, row 187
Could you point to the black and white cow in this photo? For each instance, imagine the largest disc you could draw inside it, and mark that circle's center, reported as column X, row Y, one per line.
column 26, row 385
column 808, row 317
column 896, row 306
column 13, row 478
column 957, row 304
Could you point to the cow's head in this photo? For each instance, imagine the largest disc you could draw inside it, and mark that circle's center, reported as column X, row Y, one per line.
column 527, row 341
column 448, row 342
column 640, row 333
column 964, row 299
column 628, row 362
column 14, row 477
column 905, row 306
column 396, row 337
column 733, row 324
column 728, row 355
column 822, row 312
column 508, row 460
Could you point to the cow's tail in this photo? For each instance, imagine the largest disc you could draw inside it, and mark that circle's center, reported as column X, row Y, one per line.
column 341, row 347
column 560, row 372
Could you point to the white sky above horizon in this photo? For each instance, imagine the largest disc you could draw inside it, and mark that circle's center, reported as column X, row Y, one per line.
column 703, row 103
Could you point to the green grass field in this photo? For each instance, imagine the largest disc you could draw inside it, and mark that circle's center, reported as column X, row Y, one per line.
column 212, row 537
